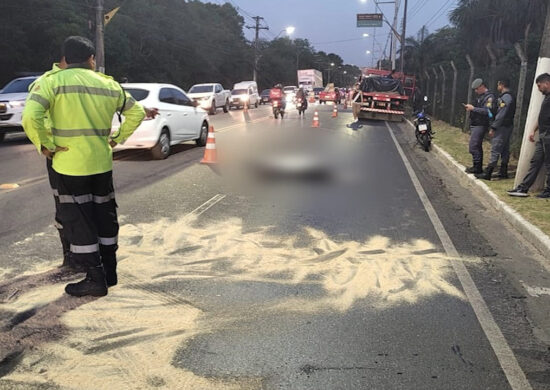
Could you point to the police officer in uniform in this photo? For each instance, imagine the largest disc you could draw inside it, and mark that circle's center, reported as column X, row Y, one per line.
column 480, row 116
column 80, row 104
column 501, row 130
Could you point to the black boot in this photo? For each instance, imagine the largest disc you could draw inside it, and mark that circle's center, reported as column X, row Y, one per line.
column 109, row 265
column 486, row 175
column 476, row 168
column 94, row 284
column 503, row 172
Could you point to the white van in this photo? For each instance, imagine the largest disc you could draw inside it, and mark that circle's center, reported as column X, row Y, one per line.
column 245, row 92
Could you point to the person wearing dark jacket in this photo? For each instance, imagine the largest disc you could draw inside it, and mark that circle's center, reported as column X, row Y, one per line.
column 542, row 148
column 480, row 117
column 500, row 132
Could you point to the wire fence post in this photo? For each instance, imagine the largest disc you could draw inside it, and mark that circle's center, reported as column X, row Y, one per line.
column 453, row 98
column 493, row 58
column 435, row 92
column 443, row 89
column 521, row 91
column 470, row 81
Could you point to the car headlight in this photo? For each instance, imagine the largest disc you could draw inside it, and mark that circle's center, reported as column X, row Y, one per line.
column 17, row 103
column 206, row 98
column 244, row 98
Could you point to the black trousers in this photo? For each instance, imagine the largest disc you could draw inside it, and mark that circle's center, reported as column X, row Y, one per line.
column 540, row 158
column 87, row 211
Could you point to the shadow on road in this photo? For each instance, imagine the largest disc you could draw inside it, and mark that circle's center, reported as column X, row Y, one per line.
column 145, row 154
column 24, row 330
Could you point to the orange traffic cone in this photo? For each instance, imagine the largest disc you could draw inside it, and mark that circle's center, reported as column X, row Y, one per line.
column 315, row 119
column 210, row 154
column 335, row 110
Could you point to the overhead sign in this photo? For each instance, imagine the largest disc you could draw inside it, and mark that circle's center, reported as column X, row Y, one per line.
column 369, row 20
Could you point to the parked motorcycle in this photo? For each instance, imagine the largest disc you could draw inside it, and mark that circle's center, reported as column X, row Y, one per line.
column 423, row 129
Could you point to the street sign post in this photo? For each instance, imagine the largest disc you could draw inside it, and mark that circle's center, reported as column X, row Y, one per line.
column 369, row 20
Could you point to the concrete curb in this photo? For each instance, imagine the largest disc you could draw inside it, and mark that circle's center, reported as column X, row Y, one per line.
column 532, row 233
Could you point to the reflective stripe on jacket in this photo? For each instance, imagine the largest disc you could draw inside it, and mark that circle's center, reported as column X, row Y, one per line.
column 80, row 105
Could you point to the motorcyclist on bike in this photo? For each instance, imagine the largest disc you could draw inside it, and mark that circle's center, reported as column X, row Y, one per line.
column 276, row 93
column 301, row 96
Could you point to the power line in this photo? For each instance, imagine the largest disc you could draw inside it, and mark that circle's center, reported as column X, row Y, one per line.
column 440, row 12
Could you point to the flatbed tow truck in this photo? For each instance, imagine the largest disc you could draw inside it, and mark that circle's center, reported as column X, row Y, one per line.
column 385, row 98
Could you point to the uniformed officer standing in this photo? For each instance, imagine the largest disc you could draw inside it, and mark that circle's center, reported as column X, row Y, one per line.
column 480, row 117
column 52, row 177
column 501, row 130
column 80, row 104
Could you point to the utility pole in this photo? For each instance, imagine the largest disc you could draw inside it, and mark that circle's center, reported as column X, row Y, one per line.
column 99, row 32
column 395, row 38
column 257, row 27
column 527, row 147
column 403, row 38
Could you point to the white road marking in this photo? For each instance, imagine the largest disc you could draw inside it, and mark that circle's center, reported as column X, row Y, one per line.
column 535, row 291
column 206, row 205
column 515, row 375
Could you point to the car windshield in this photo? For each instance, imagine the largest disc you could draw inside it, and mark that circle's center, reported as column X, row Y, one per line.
column 265, row 92
column 239, row 92
column 18, row 85
column 201, row 89
column 137, row 93
column 288, row 89
column 318, row 89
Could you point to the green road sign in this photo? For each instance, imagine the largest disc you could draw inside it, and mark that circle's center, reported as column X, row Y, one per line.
column 369, row 20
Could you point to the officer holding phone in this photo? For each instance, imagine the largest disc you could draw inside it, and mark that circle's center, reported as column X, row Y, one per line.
column 481, row 115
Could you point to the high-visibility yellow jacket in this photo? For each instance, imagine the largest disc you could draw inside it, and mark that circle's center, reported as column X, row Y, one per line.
column 47, row 122
column 80, row 104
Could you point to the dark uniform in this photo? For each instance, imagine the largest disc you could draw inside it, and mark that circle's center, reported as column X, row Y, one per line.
column 502, row 127
column 480, row 117
column 542, row 151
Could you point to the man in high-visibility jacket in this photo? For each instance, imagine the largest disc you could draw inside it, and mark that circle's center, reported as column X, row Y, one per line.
column 80, row 104
column 52, row 178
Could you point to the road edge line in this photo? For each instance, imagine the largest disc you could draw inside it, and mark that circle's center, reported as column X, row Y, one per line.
column 510, row 366
column 530, row 232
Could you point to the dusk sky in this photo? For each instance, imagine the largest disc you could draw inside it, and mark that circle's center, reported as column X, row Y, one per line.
column 325, row 22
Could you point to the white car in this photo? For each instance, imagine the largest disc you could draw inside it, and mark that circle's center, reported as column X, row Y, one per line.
column 179, row 119
column 210, row 97
column 12, row 102
column 290, row 93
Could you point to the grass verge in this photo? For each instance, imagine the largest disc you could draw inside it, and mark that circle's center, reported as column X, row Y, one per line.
column 455, row 142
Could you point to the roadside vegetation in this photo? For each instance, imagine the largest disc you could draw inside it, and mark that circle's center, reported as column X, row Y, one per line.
column 172, row 41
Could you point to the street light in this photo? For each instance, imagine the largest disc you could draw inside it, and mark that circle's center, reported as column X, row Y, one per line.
column 365, row 35
column 368, row 52
column 289, row 31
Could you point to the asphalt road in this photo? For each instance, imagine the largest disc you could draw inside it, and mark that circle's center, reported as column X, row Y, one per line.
column 311, row 258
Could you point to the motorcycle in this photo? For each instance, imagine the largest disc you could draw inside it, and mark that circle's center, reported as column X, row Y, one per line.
column 301, row 105
column 278, row 108
column 423, row 130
